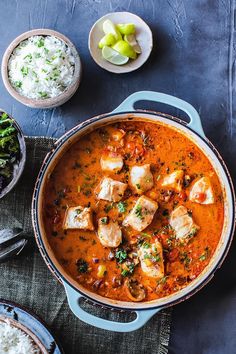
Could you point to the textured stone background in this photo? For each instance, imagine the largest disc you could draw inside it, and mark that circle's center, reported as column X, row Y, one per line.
column 194, row 59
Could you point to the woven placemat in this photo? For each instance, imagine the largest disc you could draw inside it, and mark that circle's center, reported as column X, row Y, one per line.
column 27, row 281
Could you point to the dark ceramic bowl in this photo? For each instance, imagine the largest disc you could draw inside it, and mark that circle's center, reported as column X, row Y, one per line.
column 20, row 164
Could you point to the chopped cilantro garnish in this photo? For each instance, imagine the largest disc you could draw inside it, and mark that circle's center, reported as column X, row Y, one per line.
column 104, row 220
column 144, row 234
column 156, row 258
column 204, row 255
column 82, row 265
column 184, row 258
column 131, row 268
column 108, row 207
column 40, row 42
column 146, row 245
column 87, row 193
column 125, row 272
column 121, row 255
column 153, row 257
column 43, row 94
column 24, row 70
column 122, row 207
column 129, row 271
column 138, row 211
column 28, row 56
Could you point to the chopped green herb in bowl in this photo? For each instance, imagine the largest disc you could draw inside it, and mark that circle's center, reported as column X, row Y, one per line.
column 12, row 153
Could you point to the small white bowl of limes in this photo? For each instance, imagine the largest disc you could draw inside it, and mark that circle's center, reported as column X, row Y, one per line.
column 120, row 42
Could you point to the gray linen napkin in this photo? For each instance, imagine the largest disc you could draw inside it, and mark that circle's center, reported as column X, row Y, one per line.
column 27, row 281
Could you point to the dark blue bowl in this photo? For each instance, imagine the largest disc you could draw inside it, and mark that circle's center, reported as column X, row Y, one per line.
column 20, row 164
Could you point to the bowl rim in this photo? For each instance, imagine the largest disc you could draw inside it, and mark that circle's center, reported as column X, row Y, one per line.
column 122, row 69
column 47, row 102
column 22, row 161
column 36, row 342
column 182, row 294
column 25, row 315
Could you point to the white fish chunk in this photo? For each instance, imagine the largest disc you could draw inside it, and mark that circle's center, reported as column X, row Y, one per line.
column 174, row 180
column 151, row 259
column 111, row 190
column 142, row 213
column 202, row 192
column 182, row 223
column 111, row 163
column 141, row 178
column 78, row 218
column 109, row 232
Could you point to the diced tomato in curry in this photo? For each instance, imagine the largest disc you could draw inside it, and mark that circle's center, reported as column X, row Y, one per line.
column 107, row 271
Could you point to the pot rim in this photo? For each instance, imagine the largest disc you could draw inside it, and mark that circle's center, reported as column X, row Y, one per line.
column 43, row 249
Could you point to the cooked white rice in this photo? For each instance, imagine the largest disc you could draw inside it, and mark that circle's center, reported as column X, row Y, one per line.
column 14, row 341
column 41, row 67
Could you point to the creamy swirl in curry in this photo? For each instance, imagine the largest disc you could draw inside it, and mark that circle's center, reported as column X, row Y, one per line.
column 134, row 211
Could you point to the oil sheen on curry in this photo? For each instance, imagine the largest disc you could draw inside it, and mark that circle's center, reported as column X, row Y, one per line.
column 134, row 211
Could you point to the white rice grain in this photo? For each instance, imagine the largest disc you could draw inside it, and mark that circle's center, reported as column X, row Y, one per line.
column 15, row 341
column 41, row 67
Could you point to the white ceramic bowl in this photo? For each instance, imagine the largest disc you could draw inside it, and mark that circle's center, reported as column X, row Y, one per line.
column 143, row 35
column 48, row 102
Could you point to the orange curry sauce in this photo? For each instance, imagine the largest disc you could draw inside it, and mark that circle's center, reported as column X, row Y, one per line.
column 73, row 183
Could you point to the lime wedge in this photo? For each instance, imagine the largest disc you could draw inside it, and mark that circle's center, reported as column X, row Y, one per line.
column 110, row 28
column 126, row 28
column 113, row 56
column 133, row 42
column 107, row 40
column 125, row 49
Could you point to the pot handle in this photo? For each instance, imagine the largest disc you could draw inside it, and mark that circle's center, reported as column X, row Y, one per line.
column 195, row 121
column 74, row 298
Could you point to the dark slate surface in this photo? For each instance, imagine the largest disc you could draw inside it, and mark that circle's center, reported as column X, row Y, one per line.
column 194, row 59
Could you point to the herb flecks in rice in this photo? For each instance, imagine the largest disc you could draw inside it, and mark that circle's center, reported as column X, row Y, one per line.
column 41, row 67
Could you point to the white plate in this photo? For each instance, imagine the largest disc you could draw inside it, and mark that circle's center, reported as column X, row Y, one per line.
column 143, row 35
